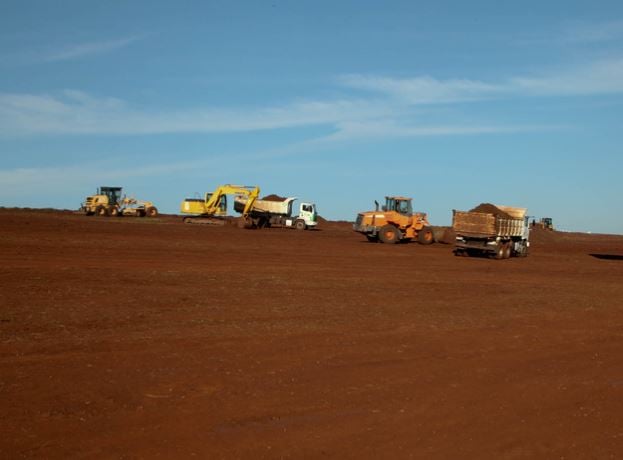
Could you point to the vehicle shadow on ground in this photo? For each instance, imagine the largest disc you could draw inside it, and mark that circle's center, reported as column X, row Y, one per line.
column 607, row 256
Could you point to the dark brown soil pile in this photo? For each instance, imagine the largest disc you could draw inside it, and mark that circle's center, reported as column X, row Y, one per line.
column 491, row 209
column 274, row 198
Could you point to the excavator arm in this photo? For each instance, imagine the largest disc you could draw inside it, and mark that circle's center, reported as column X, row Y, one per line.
column 212, row 208
column 212, row 200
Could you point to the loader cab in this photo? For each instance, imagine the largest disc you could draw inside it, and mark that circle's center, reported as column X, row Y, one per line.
column 398, row 204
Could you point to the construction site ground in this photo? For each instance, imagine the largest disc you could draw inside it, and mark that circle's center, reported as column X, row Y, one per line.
column 148, row 338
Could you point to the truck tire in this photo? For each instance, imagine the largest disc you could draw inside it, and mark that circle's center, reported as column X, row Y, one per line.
column 300, row 224
column 523, row 251
column 499, row 252
column 101, row 211
column 246, row 223
column 390, row 234
column 425, row 236
column 151, row 211
column 507, row 251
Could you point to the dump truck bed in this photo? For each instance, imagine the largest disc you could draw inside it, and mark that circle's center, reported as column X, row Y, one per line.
column 480, row 224
column 265, row 206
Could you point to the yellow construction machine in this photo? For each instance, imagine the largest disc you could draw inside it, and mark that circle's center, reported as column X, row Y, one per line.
column 212, row 208
column 395, row 222
column 108, row 201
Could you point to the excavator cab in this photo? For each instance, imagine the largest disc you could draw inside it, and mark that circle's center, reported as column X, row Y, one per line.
column 221, row 205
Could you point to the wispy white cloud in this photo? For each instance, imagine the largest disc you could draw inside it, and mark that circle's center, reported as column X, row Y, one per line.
column 575, row 33
column 581, row 32
column 81, row 50
column 598, row 77
column 75, row 112
column 374, row 105
column 367, row 130
column 423, row 90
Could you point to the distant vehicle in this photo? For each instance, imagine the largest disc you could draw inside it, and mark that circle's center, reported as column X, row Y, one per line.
column 395, row 222
column 212, row 209
column 278, row 212
column 546, row 223
column 108, row 201
column 498, row 231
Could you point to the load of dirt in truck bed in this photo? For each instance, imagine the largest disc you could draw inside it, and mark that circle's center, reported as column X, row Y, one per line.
column 273, row 197
column 491, row 209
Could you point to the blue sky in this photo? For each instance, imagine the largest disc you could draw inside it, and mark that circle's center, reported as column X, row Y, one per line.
column 341, row 103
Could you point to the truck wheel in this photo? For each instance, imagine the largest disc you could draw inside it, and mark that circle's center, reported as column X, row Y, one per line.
column 300, row 225
column 152, row 211
column 507, row 250
column 246, row 223
column 390, row 234
column 499, row 252
column 425, row 236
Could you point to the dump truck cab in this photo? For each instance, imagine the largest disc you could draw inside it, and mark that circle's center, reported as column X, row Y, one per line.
column 308, row 214
column 395, row 222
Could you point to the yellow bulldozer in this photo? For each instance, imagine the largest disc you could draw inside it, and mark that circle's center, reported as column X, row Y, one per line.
column 212, row 208
column 109, row 201
column 395, row 222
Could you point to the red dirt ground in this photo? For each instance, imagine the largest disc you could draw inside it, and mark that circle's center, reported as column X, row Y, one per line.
column 147, row 338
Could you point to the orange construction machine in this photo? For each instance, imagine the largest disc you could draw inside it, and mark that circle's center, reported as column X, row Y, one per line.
column 395, row 222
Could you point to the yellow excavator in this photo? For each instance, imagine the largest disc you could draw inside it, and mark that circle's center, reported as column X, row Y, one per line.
column 212, row 208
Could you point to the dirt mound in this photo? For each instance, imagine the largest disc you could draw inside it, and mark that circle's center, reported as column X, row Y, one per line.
column 491, row 209
column 273, row 197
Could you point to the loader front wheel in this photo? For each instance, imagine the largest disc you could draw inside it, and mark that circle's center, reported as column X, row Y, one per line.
column 115, row 212
column 390, row 234
column 425, row 236
column 101, row 211
column 152, row 211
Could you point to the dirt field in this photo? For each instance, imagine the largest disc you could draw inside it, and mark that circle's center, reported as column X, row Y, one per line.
column 167, row 340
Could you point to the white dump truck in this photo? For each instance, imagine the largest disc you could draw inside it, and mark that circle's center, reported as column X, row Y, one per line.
column 497, row 231
column 273, row 211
